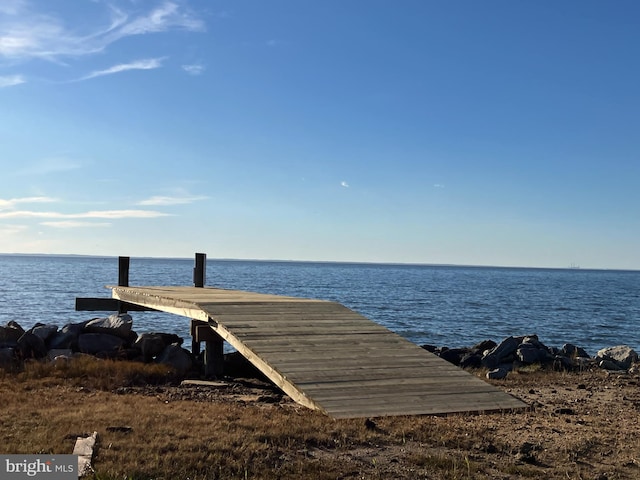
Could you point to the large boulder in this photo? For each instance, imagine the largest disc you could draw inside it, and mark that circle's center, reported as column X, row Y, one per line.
column 176, row 357
column 10, row 333
column 531, row 351
column 67, row 337
column 501, row 353
column 484, row 346
column 453, row 355
column 99, row 343
column 471, row 360
column 571, row 351
column 622, row 356
column 7, row 356
column 498, row 373
column 31, row 346
column 153, row 344
column 118, row 324
column 44, row 331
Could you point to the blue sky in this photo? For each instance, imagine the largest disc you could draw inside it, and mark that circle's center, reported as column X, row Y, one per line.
column 464, row 132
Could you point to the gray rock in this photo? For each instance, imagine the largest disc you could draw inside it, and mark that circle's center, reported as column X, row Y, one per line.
column 59, row 352
column 622, row 355
column 471, row 360
column 177, row 358
column 31, row 346
column 498, row 354
column 7, row 356
column 118, row 324
column 453, row 355
column 562, row 363
column 67, row 337
column 10, row 333
column 95, row 343
column 484, row 346
column 14, row 324
column 44, row 331
column 498, row 373
column 430, row 348
column 570, row 350
column 609, row 365
column 152, row 344
column 531, row 353
column 532, row 340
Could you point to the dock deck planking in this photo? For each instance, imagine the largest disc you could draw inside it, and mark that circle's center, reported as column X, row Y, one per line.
column 326, row 356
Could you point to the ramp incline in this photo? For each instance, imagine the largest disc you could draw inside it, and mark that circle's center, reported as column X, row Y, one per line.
column 326, row 356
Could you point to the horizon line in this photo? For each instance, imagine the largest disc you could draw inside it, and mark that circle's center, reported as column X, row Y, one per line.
column 344, row 262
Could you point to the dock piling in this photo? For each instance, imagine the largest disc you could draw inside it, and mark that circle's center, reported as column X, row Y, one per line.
column 123, row 279
column 214, row 344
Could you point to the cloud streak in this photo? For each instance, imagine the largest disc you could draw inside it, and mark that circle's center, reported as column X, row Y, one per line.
column 12, row 229
column 75, row 224
column 13, row 202
column 165, row 200
column 47, row 166
column 147, row 64
column 29, row 34
column 11, row 81
column 194, row 69
column 101, row 214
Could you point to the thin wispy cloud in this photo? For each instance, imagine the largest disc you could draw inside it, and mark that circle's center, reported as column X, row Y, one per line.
column 6, row 230
column 165, row 200
column 12, row 7
column 438, row 185
column 344, row 184
column 28, row 33
column 75, row 224
column 48, row 166
column 274, row 43
column 100, row 214
column 11, row 80
column 11, row 203
column 147, row 64
column 194, row 69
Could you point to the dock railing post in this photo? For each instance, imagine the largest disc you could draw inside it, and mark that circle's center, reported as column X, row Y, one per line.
column 123, row 278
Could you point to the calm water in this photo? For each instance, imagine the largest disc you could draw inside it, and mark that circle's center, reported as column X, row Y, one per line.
column 440, row 305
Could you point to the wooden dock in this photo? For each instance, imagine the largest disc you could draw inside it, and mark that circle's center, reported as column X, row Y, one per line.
column 326, row 356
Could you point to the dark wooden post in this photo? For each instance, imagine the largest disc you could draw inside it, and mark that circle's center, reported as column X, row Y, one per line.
column 123, row 278
column 200, row 270
column 199, row 274
column 213, row 343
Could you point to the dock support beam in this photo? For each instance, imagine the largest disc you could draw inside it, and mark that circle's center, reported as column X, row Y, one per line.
column 214, row 348
column 200, row 331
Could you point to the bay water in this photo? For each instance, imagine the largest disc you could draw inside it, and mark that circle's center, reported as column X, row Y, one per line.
column 450, row 306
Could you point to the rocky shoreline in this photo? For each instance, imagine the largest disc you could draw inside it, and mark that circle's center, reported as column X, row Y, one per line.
column 113, row 337
column 513, row 353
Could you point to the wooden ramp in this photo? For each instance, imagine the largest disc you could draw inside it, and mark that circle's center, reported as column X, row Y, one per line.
column 326, row 356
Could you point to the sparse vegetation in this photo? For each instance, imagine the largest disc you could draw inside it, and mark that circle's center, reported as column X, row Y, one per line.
column 233, row 433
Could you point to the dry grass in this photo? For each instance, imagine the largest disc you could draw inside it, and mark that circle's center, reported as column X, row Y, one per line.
column 45, row 408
